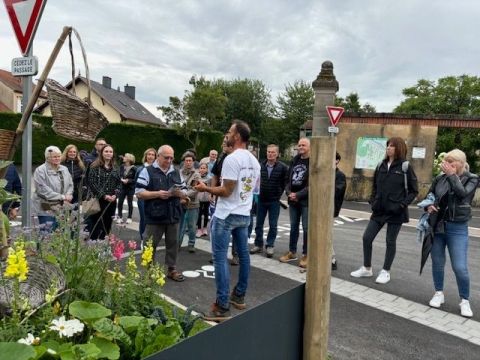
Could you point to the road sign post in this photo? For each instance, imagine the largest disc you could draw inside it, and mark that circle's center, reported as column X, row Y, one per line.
column 25, row 16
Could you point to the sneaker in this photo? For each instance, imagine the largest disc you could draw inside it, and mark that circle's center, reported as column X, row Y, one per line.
column 237, row 301
column 269, row 251
column 191, row 249
column 256, row 250
column 217, row 314
column 303, row 262
column 437, row 300
column 334, row 264
column 362, row 272
column 129, row 221
column 204, row 231
column 119, row 221
column 198, row 233
column 235, row 260
column 383, row 277
column 465, row 309
column 289, row 256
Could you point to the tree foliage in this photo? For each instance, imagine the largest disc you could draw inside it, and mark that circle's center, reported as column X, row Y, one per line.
column 451, row 95
column 351, row 104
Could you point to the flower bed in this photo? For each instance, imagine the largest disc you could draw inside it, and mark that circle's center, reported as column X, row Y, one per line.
column 108, row 304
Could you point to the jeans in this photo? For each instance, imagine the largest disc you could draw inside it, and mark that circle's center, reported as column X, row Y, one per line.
column 298, row 212
column 273, row 209
column 455, row 239
column 237, row 227
column 188, row 222
column 369, row 235
column 141, row 212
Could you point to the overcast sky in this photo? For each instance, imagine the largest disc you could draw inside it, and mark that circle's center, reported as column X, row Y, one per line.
column 378, row 47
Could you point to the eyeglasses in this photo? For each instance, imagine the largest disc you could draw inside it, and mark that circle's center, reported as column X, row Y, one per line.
column 167, row 157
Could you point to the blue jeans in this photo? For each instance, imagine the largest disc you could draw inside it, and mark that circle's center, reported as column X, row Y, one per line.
column 141, row 212
column 188, row 222
column 455, row 239
column 273, row 209
column 298, row 212
column 237, row 227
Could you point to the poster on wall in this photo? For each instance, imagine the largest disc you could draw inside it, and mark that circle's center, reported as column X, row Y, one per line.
column 370, row 151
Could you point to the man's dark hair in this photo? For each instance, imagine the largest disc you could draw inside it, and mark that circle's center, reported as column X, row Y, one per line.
column 337, row 156
column 243, row 129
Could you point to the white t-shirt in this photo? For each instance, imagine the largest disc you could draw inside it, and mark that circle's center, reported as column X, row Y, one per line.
column 242, row 167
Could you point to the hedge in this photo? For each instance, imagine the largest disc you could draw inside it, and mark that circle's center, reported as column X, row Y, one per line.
column 124, row 138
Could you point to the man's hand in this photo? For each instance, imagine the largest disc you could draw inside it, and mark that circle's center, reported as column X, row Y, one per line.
column 431, row 209
column 292, row 197
column 163, row 194
column 201, row 187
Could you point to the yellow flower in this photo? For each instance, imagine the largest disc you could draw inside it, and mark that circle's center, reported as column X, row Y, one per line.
column 17, row 265
column 147, row 255
column 157, row 275
column 57, row 308
column 132, row 267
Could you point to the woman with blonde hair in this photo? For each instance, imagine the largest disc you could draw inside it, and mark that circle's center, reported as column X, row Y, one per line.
column 103, row 183
column 72, row 161
column 454, row 190
column 149, row 157
column 127, row 189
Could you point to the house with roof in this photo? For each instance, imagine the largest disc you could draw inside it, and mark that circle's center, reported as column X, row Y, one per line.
column 11, row 92
column 117, row 106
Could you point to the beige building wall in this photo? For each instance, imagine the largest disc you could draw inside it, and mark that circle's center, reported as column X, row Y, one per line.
column 359, row 181
column 7, row 96
column 105, row 108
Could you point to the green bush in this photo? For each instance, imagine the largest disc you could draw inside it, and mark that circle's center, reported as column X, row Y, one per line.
column 124, row 138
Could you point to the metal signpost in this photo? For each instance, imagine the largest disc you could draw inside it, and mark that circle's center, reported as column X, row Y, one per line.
column 25, row 16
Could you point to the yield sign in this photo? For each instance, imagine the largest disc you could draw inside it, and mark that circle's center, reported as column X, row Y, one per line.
column 334, row 113
column 25, row 16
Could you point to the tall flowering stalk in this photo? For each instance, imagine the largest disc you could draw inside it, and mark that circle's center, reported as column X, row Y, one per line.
column 147, row 255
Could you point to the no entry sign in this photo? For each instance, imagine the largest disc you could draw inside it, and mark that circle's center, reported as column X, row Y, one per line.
column 25, row 16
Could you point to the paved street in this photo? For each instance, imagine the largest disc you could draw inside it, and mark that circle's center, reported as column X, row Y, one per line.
column 368, row 320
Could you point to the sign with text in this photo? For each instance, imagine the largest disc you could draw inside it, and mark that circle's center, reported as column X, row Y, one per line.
column 25, row 16
column 25, row 66
column 370, row 151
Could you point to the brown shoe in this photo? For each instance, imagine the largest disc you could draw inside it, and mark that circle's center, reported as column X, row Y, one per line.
column 289, row 256
column 303, row 262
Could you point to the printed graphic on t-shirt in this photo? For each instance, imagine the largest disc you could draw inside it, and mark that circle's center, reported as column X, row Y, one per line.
column 299, row 173
column 247, row 186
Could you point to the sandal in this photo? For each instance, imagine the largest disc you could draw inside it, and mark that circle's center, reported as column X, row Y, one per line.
column 175, row 276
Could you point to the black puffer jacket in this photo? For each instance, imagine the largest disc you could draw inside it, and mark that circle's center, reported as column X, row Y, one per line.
column 272, row 187
column 77, row 176
column 389, row 199
column 460, row 191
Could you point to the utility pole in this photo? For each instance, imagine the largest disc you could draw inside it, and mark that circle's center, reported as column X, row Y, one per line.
column 320, row 219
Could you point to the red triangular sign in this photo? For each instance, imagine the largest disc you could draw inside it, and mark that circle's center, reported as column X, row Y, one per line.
column 25, row 16
column 334, row 113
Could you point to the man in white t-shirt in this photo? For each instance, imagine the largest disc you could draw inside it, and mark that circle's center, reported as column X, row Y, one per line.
column 240, row 178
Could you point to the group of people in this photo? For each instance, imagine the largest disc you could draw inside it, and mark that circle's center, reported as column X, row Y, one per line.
column 216, row 195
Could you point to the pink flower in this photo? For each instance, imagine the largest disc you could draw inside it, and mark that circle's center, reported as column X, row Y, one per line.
column 118, row 249
column 132, row 245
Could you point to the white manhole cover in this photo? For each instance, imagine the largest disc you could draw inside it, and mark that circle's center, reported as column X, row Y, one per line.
column 191, row 274
column 208, row 268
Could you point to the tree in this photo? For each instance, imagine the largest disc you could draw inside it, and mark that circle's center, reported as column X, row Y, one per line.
column 351, row 104
column 451, row 95
column 295, row 107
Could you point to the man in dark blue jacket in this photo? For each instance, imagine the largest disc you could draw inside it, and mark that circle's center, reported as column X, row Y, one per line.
column 273, row 177
column 14, row 186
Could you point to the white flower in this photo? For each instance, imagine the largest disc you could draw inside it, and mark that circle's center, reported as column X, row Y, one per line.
column 30, row 340
column 67, row 328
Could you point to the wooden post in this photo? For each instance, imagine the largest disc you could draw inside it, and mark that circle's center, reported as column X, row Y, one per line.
column 320, row 219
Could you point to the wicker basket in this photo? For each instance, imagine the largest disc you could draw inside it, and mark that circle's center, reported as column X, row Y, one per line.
column 73, row 117
column 41, row 275
column 6, row 142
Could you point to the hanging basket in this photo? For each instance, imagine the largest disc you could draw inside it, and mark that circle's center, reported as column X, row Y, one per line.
column 6, row 141
column 73, row 117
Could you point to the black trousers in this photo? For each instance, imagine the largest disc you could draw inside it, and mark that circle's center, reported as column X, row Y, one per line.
column 369, row 235
column 100, row 224
column 203, row 211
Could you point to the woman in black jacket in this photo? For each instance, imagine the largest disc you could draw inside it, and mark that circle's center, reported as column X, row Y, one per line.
column 394, row 188
column 454, row 190
column 127, row 189
column 71, row 159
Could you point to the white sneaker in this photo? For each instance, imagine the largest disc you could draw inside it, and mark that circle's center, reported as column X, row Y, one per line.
column 362, row 272
column 129, row 221
column 119, row 221
column 437, row 300
column 465, row 309
column 383, row 277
